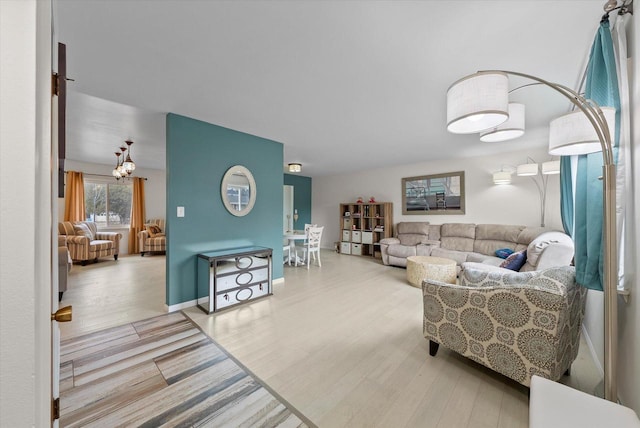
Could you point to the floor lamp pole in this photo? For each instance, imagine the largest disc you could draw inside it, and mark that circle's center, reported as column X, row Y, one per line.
column 609, row 233
column 594, row 114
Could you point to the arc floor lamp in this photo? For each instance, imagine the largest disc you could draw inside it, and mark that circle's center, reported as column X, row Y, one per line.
column 480, row 101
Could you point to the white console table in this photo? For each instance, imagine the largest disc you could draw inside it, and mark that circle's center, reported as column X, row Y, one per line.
column 233, row 276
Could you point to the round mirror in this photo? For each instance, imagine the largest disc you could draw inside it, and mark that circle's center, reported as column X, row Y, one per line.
column 238, row 190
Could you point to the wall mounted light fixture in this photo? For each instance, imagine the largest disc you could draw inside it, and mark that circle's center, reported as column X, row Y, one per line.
column 502, row 177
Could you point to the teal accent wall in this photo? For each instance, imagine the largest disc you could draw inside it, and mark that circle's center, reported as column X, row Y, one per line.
column 301, row 197
column 198, row 155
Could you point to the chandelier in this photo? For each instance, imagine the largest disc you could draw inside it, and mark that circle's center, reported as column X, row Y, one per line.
column 125, row 167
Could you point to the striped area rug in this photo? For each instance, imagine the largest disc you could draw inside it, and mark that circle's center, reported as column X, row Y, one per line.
column 162, row 372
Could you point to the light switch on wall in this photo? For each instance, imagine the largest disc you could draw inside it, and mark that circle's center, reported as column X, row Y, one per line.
column 180, row 211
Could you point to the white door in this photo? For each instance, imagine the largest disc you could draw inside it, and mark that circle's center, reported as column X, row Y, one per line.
column 287, row 209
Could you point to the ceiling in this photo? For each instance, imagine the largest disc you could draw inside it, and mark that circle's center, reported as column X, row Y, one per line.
column 343, row 85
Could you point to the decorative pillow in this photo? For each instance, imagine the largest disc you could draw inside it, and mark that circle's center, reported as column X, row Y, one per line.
column 153, row 230
column 515, row 261
column 82, row 229
column 503, row 253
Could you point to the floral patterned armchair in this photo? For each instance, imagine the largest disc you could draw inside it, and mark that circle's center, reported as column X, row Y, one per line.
column 519, row 324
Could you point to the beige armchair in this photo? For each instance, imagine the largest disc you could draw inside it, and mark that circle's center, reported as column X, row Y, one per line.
column 519, row 324
column 86, row 243
column 153, row 239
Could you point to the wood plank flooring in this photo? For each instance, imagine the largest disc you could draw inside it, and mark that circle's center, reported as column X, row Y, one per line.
column 161, row 372
column 342, row 343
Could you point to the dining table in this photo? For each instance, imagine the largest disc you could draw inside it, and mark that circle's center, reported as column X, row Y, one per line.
column 292, row 236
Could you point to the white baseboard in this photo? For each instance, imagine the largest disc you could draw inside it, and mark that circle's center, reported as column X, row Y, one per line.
column 180, row 306
column 592, row 351
column 278, row 281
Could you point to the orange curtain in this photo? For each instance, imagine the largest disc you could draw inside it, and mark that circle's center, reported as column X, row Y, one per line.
column 74, row 209
column 138, row 215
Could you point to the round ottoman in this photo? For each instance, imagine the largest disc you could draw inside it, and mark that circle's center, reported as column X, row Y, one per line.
column 440, row 269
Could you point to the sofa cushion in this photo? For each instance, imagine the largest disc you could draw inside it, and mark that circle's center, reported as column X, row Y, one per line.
column 498, row 232
column 416, row 227
column 459, row 256
column 413, row 233
column 399, row 250
column 412, row 239
column 515, row 261
column 457, row 236
column 491, row 237
column 434, row 232
column 82, row 229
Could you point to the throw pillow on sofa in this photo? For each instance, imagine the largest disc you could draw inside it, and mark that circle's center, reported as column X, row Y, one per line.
column 515, row 261
column 82, row 229
column 503, row 253
column 154, row 230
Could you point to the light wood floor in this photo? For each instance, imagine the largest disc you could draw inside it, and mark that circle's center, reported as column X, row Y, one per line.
column 342, row 343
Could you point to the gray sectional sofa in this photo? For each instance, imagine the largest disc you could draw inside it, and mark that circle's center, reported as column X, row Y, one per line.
column 467, row 242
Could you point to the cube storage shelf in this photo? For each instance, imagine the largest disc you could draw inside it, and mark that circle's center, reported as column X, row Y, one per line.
column 362, row 226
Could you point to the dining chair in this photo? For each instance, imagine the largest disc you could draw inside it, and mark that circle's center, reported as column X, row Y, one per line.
column 312, row 246
column 286, row 252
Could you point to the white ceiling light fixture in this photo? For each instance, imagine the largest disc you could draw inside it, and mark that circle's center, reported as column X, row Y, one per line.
column 477, row 103
column 295, row 167
column 512, row 128
column 573, row 133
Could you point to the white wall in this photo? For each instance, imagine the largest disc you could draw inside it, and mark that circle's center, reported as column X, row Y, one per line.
column 154, row 187
column 517, row 203
column 629, row 314
column 25, row 305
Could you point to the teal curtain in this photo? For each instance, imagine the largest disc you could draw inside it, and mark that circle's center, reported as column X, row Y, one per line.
column 566, row 195
column 601, row 87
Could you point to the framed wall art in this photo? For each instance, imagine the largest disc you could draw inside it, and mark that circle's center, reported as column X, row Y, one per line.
column 435, row 194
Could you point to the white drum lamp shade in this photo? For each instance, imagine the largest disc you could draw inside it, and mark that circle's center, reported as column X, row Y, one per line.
column 502, row 177
column 478, row 102
column 512, row 128
column 551, row 167
column 527, row 169
column 573, row 134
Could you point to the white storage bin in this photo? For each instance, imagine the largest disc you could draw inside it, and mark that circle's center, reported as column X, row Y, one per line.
column 367, row 237
column 356, row 249
column 356, row 236
column 345, row 248
column 346, row 235
column 346, row 224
